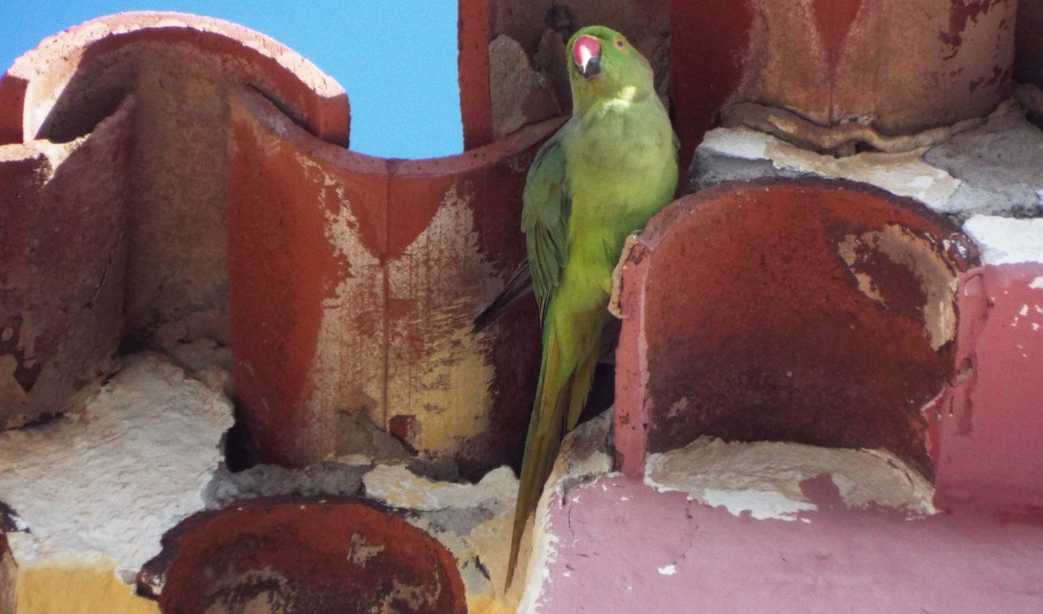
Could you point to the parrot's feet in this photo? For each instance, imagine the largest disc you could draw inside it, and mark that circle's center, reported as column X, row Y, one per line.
column 616, row 281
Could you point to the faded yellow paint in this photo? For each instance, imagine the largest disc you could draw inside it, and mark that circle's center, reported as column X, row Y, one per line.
column 86, row 589
column 487, row 541
column 444, row 383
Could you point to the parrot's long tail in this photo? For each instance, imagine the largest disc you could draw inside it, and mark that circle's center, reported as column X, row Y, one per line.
column 561, row 394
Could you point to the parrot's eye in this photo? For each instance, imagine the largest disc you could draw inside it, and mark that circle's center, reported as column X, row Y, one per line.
column 620, row 43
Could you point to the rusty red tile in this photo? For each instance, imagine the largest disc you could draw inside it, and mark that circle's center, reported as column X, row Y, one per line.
column 74, row 78
column 897, row 66
column 1029, row 67
column 986, row 427
column 708, row 43
column 810, row 311
column 354, row 281
column 63, row 246
column 169, row 276
column 473, row 36
column 302, row 556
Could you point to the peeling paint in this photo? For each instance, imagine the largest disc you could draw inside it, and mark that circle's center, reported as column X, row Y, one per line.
column 918, row 255
column 439, row 370
column 360, row 551
column 348, row 364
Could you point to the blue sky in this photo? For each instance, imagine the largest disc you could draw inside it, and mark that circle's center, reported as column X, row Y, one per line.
column 396, row 58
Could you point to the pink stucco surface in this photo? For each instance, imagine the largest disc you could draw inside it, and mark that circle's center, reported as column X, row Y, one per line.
column 616, row 537
column 987, row 426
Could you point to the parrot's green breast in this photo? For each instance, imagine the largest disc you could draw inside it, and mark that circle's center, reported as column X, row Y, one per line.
column 621, row 168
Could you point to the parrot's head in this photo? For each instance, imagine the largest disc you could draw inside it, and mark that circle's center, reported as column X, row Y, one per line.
column 602, row 63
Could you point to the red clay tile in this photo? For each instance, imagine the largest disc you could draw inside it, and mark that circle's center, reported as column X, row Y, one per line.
column 76, row 77
column 899, row 66
column 353, row 284
column 473, row 38
column 169, row 276
column 1029, row 66
column 812, row 311
column 63, row 249
column 302, row 556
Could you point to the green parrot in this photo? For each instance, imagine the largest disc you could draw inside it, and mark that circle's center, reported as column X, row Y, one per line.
column 601, row 176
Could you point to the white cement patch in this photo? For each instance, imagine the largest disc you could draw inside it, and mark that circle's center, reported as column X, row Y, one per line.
column 397, row 486
column 763, row 479
column 1007, row 240
column 105, row 485
column 904, row 174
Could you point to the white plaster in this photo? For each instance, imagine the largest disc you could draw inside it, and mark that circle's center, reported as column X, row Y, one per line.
column 397, row 486
column 106, row 484
column 904, row 174
column 738, row 143
column 1037, row 283
column 667, row 570
column 763, row 478
column 1007, row 240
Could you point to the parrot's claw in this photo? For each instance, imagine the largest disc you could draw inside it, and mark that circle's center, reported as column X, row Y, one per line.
column 614, row 306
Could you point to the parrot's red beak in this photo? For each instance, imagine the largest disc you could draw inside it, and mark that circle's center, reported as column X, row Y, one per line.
column 586, row 55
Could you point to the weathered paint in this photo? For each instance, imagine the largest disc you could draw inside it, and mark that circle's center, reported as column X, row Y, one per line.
column 377, row 268
column 302, row 555
column 811, row 311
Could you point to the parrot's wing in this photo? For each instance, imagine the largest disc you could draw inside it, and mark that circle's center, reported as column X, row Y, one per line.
column 545, row 217
column 519, row 285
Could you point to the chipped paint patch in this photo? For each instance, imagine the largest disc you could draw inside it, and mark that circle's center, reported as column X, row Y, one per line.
column 920, row 256
column 1037, row 283
column 347, row 373
column 667, row 570
column 763, row 479
column 440, row 371
column 360, row 551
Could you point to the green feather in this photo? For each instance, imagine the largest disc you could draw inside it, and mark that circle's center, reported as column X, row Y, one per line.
column 599, row 178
